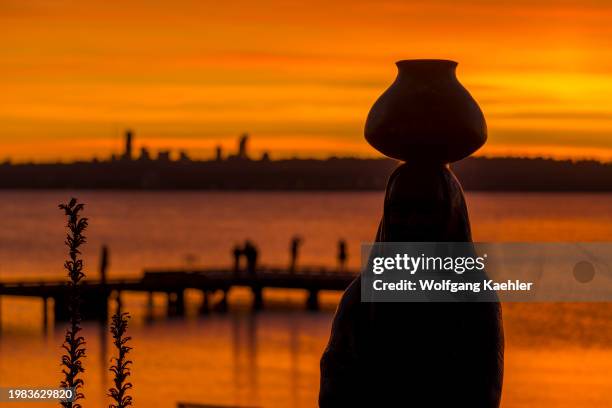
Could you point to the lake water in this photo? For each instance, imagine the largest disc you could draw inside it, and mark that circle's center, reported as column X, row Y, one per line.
column 557, row 354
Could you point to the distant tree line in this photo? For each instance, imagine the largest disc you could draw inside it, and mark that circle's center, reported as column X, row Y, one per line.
column 489, row 174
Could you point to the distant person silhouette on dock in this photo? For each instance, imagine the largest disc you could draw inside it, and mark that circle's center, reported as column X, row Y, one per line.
column 250, row 253
column 237, row 253
column 342, row 255
column 104, row 262
column 294, row 250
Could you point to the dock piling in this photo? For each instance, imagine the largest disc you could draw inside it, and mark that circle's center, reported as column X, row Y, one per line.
column 205, row 307
column 176, row 303
column 312, row 301
column 258, row 302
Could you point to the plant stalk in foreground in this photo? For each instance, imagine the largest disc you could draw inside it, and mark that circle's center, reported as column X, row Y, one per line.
column 74, row 342
column 121, row 368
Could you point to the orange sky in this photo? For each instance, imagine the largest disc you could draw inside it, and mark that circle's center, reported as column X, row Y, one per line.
column 299, row 76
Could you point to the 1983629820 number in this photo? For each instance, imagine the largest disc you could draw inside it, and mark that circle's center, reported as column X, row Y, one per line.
column 14, row 394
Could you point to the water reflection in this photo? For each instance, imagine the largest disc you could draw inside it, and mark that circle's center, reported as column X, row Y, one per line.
column 104, row 358
column 271, row 358
column 244, row 356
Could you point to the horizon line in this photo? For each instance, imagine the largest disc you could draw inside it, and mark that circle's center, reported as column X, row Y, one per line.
column 232, row 158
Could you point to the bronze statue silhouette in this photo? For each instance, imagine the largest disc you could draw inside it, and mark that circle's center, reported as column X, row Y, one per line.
column 418, row 354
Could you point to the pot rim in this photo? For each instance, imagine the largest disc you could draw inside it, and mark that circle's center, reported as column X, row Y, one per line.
column 426, row 63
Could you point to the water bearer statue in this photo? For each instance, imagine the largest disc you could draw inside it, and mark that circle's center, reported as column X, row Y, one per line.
column 418, row 354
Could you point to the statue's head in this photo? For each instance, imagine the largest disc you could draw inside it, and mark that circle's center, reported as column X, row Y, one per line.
column 424, row 203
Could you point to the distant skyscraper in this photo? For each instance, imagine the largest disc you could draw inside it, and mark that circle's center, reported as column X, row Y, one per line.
column 144, row 154
column 242, row 146
column 219, row 153
column 183, row 156
column 128, row 145
column 163, row 155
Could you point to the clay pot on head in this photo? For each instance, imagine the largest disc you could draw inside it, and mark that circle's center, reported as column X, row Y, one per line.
column 426, row 115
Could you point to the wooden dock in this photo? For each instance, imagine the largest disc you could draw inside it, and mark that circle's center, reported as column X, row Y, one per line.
column 95, row 294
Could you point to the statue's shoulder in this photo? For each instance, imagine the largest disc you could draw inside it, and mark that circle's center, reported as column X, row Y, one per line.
column 351, row 299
